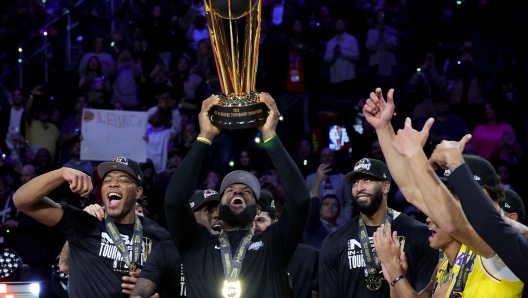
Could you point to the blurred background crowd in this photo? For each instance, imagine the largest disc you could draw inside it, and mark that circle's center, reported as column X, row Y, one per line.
column 460, row 62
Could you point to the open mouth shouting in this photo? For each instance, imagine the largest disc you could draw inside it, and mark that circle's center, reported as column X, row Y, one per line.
column 217, row 228
column 237, row 202
column 433, row 236
column 114, row 198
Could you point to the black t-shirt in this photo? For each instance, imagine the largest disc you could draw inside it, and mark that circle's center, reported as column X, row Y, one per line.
column 265, row 260
column 165, row 270
column 96, row 265
column 342, row 267
column 304, row 271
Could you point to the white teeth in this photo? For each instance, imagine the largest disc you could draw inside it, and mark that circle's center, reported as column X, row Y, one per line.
column 114, row 194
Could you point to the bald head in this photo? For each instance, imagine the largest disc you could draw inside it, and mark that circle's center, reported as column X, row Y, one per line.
column 27, row 173
column 327, row 156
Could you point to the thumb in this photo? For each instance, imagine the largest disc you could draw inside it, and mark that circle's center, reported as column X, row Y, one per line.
column 390, row 97
column 408, row 122
column 427, row 126
column 465, row 139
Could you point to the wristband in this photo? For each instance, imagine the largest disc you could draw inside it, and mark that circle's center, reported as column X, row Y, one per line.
column 267, row 140
column 204, row 140
column 397, row 279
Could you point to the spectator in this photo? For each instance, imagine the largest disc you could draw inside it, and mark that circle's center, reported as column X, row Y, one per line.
column 305, row 159
column 332, row 184
column 197, row 31
column 158, row 137
column 212, row 180
column 158, row 33
column 44, row 161
column 204, row 57
column 105, row 59
column 8, row 215
column 487, row 137
column 190, row 82
column 322, row 26
column 11, row 121
column 446, row 126
column 380, row 41
column 39, row 130
column 75, row 161
column 94, row 84
column 243, row 161
column 341, row 52
column 126, row 74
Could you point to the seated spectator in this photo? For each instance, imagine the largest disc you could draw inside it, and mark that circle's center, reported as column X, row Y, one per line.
column 94, row 84
column 486, row 137
column 106, row 60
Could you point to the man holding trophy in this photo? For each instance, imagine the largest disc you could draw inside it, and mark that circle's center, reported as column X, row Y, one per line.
column 238, row 262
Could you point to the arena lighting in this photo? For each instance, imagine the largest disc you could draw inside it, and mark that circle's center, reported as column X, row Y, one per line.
column 231, row 163
column 20, row 50
column 45, row 33
column 10, row 263
column 305, row 162
column 257, row 140
column 281, row 118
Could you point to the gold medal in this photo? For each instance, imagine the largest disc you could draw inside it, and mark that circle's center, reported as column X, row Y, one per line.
column 456, row 295
column 132, row 267
column 373, row 282
column 231, row 289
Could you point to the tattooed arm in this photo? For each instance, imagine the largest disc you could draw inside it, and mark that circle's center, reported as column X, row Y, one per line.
column 64, row 260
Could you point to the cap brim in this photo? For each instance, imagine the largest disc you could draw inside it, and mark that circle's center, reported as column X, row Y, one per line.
column 350, row 176
column 106, row 167
column 209, row 199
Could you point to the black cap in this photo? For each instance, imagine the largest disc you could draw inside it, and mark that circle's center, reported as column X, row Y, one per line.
column 266, row 201
column 513, row 204
column 242, row 177
column 122, row 164
column 372, row 167
column 482, row 170
column 199, row 199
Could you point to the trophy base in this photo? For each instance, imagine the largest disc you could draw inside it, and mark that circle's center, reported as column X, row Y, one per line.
column 244, row 112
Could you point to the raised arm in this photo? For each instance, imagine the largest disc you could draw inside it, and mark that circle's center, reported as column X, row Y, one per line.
column 181, row 223
column 442, row 205
column 295, row 210
column 378, row 113
column 511, row 247
column 31, row 198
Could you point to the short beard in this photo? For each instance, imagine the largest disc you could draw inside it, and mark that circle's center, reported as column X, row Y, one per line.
column 241, row 220
column 375, row 202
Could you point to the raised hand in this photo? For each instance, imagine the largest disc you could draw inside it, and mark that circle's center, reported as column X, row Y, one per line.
column 448, row 154
column 269, row 127
column 80, row 183
column 409, row 141
column 207, row 129
column 95, row 210
column 322, row 172
column 377, row 111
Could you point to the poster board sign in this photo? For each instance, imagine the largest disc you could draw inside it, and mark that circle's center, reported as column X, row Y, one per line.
column 108, row 134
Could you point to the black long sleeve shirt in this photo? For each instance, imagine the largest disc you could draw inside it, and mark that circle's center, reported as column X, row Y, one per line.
column 511, row 247
column 265, row 264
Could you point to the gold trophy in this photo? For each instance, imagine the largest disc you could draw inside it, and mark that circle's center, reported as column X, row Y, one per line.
column 236, row 61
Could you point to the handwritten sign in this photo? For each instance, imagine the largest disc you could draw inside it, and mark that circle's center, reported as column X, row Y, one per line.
column 108, row 134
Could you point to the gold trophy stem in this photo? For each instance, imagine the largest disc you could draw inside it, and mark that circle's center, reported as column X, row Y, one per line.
column 233, row 61
column 214, row 34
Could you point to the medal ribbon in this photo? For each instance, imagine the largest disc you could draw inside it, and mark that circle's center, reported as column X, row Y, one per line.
column 465, row 268
column 137, row 237
column 232, row 265
column 372, row 261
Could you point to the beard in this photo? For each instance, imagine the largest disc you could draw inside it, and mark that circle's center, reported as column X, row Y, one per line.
column 375, row 202
column 242, row 220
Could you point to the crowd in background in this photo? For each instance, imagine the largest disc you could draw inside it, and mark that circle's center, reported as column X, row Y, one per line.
column 460, row 62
